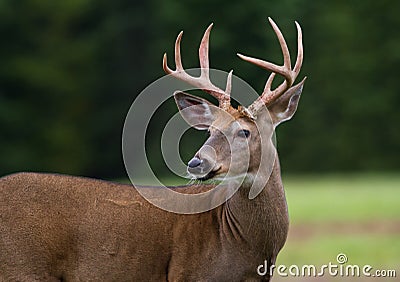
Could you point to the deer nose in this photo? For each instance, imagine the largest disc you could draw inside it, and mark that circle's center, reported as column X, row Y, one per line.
column 195, row 162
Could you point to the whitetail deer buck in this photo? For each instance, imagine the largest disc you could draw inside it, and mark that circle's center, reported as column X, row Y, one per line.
column 65, row 228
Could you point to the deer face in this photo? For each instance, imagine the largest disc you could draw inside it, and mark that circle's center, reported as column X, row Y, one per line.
column 236, row 142
column 227, row 150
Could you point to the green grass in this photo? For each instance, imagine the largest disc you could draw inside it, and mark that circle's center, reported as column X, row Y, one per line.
column 343, row 198
column 379, row 251
column 358, row 215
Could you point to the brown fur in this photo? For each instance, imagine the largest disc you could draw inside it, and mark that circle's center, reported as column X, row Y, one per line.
column 64, row 228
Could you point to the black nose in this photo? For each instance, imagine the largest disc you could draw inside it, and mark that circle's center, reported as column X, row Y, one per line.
column 195, row 162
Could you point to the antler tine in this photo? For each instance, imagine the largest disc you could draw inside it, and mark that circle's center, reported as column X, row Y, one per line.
column 178, row 61
column 203, row 81
column 269, row 96
column 203, row 53
column 299, row 59
column 285, row 50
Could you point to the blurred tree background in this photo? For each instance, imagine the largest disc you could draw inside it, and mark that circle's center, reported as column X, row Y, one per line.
column 71, row 69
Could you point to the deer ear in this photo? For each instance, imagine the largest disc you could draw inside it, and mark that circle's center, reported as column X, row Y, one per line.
column 286, row 105
column 197, row 112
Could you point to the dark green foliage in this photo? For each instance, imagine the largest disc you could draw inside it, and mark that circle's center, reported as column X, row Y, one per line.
column 70, row 70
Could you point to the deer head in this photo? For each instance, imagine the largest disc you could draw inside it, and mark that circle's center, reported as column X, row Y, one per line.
column 235, row 145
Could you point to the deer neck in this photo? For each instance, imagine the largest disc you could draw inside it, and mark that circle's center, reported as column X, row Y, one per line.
column 263, row 221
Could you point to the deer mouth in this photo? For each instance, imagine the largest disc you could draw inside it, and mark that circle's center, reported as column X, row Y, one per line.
column 203, row 170
column 210, row 175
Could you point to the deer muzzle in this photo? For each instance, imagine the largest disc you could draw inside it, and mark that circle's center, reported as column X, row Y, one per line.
column 203, row 164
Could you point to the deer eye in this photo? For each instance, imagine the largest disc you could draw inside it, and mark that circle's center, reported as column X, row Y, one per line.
column 243, row 133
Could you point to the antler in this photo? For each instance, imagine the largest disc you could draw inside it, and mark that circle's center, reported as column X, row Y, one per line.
column 203, row 81
column 269, row 96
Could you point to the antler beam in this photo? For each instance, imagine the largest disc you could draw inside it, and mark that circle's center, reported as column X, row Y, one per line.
column 269, row 96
